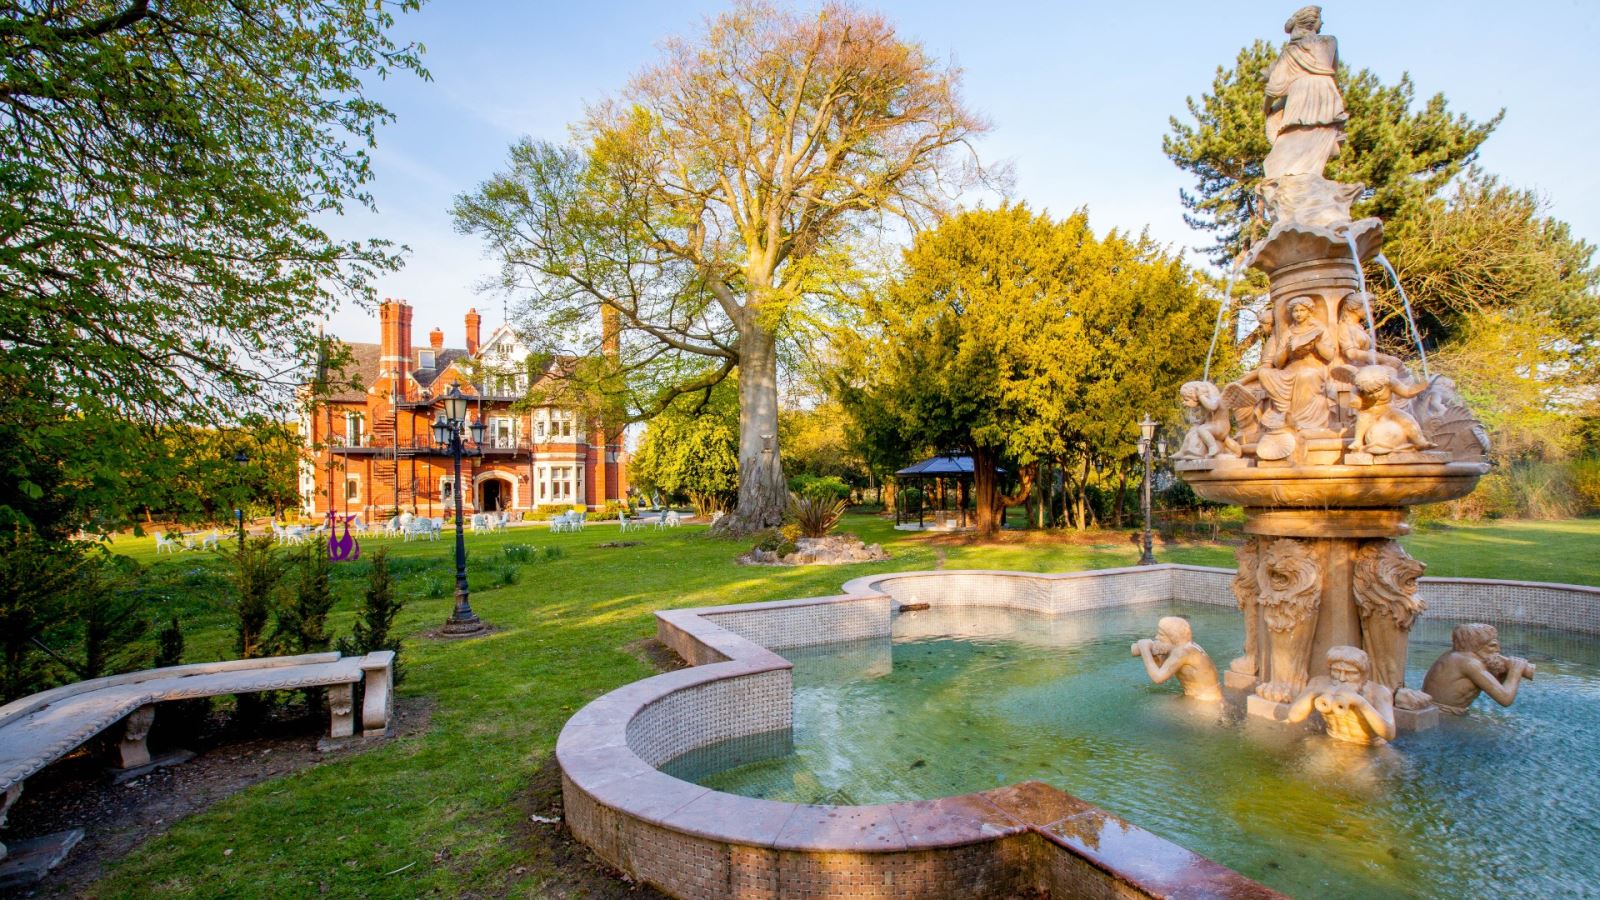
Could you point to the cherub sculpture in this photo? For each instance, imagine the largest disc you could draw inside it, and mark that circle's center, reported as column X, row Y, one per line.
column 1381, row 426
column 1474, row 665
column 1208, row 423
column 1354, row 708
column 1174, row 652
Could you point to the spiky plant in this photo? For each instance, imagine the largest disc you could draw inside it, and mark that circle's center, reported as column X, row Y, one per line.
column 814, row 516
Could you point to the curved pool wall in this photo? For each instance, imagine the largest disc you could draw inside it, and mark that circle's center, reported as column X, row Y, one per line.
column 691, row 841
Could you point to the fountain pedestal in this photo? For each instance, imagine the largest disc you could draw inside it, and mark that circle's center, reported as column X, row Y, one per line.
column 1320, row 567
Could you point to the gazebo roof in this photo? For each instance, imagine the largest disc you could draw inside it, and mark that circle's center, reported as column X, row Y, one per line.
column 939, row 466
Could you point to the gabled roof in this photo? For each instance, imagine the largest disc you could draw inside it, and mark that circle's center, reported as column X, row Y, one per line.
column 936, row 466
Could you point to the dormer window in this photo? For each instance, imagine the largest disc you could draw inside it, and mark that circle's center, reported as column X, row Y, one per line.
column 426, row 359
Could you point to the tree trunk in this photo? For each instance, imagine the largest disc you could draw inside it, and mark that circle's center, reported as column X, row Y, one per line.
column 986, row 482
column 763, row 493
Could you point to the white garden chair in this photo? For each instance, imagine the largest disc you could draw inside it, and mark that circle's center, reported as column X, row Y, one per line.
column 210, row 540
column 560, row 523
column 622, row 519
column 577, row 522
column 500, row 522
column 661, row 518
column 673, row 519
column 168, row 543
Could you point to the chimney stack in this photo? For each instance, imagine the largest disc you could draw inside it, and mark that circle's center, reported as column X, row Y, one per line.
column 394, row 340
column 436, row 339
column 473, row 319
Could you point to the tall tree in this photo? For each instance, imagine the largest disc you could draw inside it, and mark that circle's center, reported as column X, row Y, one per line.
column 1402, row 155
column 713, row 201
column 163, row 161
column 1022, row 339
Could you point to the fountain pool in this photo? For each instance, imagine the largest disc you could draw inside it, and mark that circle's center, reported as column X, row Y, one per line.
column 971, row 698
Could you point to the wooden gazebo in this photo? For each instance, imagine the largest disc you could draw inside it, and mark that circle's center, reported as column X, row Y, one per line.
column 942, row 472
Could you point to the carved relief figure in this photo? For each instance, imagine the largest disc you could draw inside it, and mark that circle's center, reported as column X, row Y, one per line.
column 1247, row 590
column 1354, row 708
column 1381, row 426
column 1291, row 592
column 1305, row 111
column 1174, row 652
column 1475, row 665
column 1208, row 423
column 1385, row 587
column 1355, row 342
column 1296, row 382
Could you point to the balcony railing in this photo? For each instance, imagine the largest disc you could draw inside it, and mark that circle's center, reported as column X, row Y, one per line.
column 419, row 445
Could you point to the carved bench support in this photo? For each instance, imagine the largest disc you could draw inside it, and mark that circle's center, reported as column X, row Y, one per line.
column 378, row 700
column 6, row 802
column 341, row 709
column 133, row 751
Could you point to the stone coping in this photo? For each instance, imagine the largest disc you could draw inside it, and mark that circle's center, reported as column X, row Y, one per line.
column 608, row 780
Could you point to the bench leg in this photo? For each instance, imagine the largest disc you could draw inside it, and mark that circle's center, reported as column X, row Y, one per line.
column 6, row 801
column 133, row 750
column 378, row 702
column 341, row 706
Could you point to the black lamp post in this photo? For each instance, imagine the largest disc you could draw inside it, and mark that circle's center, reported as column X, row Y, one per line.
column 1147, row 433
column 240, row 459
column 448, row 429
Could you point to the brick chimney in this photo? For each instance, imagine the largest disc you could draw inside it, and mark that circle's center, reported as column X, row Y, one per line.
column 436, row 339
column 473, row 320
column 394, row 323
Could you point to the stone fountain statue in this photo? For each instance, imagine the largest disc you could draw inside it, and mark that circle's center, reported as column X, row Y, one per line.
column 1475, row 665
column 1174, row 652
column 1330, row 441
column 1354, row 708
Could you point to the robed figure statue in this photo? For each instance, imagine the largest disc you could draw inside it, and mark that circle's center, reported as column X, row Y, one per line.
column 1305, row 112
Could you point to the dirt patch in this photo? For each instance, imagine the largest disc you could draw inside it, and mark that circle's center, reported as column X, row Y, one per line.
column 439, row 634
column 656, row 655
column 571, row 869
column 1061, row 536
column 76, row 793
column 611, row 545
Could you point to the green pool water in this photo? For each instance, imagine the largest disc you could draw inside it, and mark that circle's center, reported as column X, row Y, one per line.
column 1500, row 802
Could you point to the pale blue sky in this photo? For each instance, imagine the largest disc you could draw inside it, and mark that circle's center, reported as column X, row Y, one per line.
column 1079, row 95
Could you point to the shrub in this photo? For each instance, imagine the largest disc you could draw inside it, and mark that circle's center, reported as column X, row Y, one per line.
column 302, row 622
column 435, row 586
column 548, row 511
column 507, row 575
column 520, row 553
column 814, row 516
column 910, row 499
column 774, row 541
column 374, row 627
column 553, row 553
column 1586, row 483
column 822, row 487
column 256, row 571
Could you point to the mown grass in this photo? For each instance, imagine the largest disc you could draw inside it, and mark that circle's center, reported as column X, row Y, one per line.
column 439, row 812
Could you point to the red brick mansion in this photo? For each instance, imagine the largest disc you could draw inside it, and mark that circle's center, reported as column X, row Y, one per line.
column 370, row 450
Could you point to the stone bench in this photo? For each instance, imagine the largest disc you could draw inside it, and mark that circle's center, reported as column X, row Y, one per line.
column 39, row 729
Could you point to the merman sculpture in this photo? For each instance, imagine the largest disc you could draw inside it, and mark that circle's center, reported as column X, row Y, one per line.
column 1354, row 708
column 1174, row 652
column 1475, row 665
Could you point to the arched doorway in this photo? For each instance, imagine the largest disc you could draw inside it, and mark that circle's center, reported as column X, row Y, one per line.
column 494, row 495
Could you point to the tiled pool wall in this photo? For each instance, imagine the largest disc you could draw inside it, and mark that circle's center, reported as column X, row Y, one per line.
column 694, row 842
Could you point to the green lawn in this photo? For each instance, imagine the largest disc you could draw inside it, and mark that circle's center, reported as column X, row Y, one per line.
column 501, row 700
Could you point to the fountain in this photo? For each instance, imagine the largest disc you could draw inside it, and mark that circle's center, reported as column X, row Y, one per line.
column 1330, row 441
